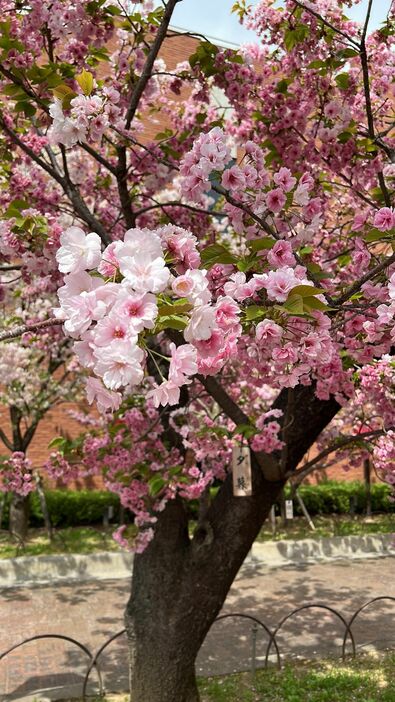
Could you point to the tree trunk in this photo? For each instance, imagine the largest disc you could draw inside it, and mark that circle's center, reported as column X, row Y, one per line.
column 19, row 516
column 178, row 588
column 180, row 583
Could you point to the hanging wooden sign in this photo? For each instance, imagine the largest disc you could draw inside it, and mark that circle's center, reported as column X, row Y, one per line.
column 241, row 469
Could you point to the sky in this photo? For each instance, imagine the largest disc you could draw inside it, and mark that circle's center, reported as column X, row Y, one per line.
column 214, row 19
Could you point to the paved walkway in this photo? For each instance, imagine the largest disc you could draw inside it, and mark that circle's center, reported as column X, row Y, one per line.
column 91, row 612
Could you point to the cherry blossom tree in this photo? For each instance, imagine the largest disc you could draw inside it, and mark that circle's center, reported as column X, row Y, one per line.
column 228, row 287
column 37, row 373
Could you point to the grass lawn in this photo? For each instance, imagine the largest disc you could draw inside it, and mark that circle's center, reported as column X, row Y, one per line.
column 329, row 525
column 71, row 540
column 368, row 678
column 92, row 539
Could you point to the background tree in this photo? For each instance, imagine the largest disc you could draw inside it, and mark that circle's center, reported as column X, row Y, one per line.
column 37, row 374
column 249, row 300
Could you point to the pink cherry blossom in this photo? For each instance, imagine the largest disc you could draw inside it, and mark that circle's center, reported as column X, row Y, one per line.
column 105, row 399
column 78, row 251
column 194, row 286
column 119, row 364
column 279, row 283
column 281, row 255
column 275, row 200
column 140, row 310
column 143, row 274
column 268, row 332
column 384, row 219
column 168, row 393
column 183, row 363
column 140, row 242
column 284, row 179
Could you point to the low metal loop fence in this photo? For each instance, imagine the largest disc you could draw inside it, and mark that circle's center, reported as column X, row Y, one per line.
column 256, row 625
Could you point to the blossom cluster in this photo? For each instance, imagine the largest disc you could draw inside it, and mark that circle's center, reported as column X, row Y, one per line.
column 16, row 475
column 87, row 118
column 111, row 313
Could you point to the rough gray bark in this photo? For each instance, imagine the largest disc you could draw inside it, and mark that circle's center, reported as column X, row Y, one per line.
column 19, row 516
column 180, row 584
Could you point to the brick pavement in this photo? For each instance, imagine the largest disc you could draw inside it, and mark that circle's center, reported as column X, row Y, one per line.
column 90, row 612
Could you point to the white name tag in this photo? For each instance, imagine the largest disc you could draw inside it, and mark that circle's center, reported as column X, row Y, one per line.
column 289, row 509
column 241, row 469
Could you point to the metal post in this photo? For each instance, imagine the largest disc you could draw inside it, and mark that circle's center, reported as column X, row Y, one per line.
column 254, row 632
column 368, row 485
column 273, row 519
column 304, row 510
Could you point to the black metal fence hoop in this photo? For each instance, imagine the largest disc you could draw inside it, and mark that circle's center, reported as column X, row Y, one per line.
column 357, row 613
column 311, row 606
column 69, row 639
column 93, row 663
column 260, row 623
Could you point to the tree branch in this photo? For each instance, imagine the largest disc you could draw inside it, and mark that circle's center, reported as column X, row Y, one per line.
column 269, row 230
column 14, row 267
column 26, row 328
column 368, row 102
column 42, row 103
column 344, row 441
column 67, row 186
column 370, row 274
column 4, row 438
column 152, row 55
column 327, row 24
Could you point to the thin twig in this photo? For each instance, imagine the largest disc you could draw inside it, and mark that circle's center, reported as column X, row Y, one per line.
column 344, row 441
column 26, row 328
column 327, row 24
column 370, row 274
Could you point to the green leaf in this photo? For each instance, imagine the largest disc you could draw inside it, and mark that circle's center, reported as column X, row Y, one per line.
column 85, row 81
column 376, row 235
column 247, row 262
column 25, row 107
column 317, row 64
column 246, row 430
column 113, row 10
column 14, row 91
column 216, row 253
column 57, row 442
column 304, row 291
column 343, row 81
column 344, row 137
column 177, row 307
column 204, row 57
column 15, row 207
column 294, row 305
column 312, row 303
column 156, row 485
column 64, row 93
column 282, row 85
column 306, row 250
column 254, row 312
column 295, row 36
column 172, row 322
column 266, row 242
column 347, row 53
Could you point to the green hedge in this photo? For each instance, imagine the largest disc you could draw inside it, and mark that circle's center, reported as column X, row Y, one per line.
column 76, row 508
column 71, row 507
column 334, row 497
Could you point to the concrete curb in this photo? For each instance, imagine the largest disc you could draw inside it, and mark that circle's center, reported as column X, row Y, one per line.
column 43, row 570
column 279, row 553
